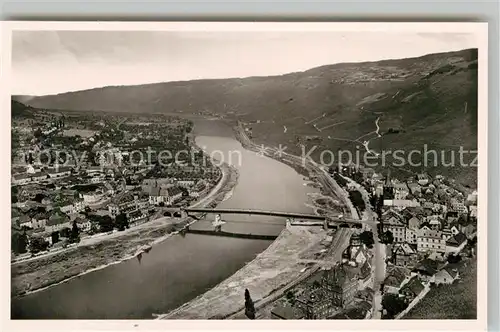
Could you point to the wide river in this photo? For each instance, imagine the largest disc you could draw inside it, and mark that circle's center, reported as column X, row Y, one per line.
column 181, row 268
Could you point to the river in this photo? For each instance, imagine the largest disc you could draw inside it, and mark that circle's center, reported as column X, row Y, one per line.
column 181, row 268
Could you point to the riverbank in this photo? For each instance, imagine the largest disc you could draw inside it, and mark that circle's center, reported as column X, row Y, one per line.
column 281, row 265
column 307, row 168
column 47, row 271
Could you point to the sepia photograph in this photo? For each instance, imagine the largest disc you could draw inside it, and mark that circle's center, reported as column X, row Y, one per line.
column 239, row 171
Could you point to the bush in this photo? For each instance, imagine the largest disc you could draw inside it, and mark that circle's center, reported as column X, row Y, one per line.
column 393, row 305
column 357, row 199
column 367, row 239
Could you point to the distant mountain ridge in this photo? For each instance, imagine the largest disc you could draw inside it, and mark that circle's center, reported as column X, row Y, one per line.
column 425, row 100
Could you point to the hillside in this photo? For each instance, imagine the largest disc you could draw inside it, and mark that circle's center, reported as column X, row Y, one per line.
column 427, row 100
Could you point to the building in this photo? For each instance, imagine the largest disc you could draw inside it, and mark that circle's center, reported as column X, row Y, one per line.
column 198, row 190
column 136, row 215
column 84, row 225
column 59, row 172
column 92, row 197
column 286, row 311
column 411, row 235
column 405, row 255
column 397, row 228
column 186, row 183
column 362, row 310
column 401, row 203
column 114, row 210
column 400, row 191
column 414, row 188
column 38, row 177
column 434, row 223
column 341, row 285
column 429, row 240
column 426, row 268
column 355, row 252
column 411, row 289
column 422, row 179
column 468, row 230
column 21, row 179
column 456, row 243
column 457, row 206
column 24, row 221
column 94, row 170
column 472, row 198
column 446, row 275
column 395, row 278
column 473, row 211
column 174, row 195
column 156, row 196
column 57, row 222
column 78, row 205
column 315, row 303
column 388, row 191
column 39, row 220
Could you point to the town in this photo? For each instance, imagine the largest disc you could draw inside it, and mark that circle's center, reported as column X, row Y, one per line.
column 74, row 176
column 427, row 230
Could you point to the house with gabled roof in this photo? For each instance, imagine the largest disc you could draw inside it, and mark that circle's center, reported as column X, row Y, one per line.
column 429, row 240
column 446, row 275
column 396, row 227
column 404, row 254
column 395, row 278
column 456, row 243
column 341, row 283
column 411, row 289
column 426, row 268
column 56, row 222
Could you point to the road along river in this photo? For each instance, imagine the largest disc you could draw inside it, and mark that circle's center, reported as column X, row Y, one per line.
column 181, row 268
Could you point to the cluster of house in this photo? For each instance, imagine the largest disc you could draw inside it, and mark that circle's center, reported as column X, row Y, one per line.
column 341, row 292
column 41, row 210
column 167, row 192
column 43, row 223
column 439, row 227
column 409, row 283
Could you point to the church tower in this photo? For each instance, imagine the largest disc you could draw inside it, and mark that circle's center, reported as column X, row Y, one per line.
column 388, row 192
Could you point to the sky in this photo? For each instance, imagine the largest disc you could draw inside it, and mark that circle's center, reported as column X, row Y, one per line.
column 50, row 62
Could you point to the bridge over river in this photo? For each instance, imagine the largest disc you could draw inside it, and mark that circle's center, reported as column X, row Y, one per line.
column 293, row 219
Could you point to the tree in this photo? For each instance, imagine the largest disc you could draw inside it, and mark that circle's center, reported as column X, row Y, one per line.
column 55, row 237
column 38, row 197
column 74, row 235
column 393, row 304
column 94, row 228
column 106, row 224
column 367, row 239
column 19, row 243
column 249, row 306
column 290, row 296
column 387, row 237
column 454, row 259
column 121, row 222
column 38, row 244
column 65, row 232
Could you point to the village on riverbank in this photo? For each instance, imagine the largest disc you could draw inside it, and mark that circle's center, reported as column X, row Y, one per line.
column 426, row 237
column 80, row 200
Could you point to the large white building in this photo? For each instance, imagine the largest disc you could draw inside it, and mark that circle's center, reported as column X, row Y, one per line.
column 430, row 240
